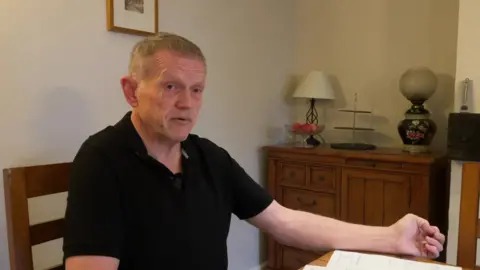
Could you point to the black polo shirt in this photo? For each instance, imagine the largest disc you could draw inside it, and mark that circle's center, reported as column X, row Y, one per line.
column 122, row 203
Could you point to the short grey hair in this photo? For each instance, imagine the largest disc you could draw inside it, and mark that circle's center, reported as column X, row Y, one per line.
column 161, row 41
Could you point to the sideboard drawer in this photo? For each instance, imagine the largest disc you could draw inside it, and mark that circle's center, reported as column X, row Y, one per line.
column 309, row 201
column 292, row 174
column 374, row 164
column 322, row 178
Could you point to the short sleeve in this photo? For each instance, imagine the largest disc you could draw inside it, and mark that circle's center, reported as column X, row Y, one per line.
column 249, row 198
column 93, row 218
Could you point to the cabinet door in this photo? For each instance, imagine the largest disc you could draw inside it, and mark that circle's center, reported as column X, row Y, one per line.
column 373, row 197
column 294, row 259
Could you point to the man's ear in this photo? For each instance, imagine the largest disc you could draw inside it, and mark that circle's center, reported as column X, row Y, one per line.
column 130, row 86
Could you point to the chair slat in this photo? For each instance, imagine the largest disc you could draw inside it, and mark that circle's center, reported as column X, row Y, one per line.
column 468, row 225
column 16, row 205
column 47, row 179
column 44, row 232
column 478, row 227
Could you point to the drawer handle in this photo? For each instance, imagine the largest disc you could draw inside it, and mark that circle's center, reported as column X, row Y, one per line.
column 292, row 174
column 321, row 178
column 306, row 204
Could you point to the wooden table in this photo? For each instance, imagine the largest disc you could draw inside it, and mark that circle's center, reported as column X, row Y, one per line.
column 323, row 261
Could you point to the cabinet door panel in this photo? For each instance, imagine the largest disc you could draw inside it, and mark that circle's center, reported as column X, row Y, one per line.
column 374, row 203
column 396, row 201
column 355, row 187
column 374, row 198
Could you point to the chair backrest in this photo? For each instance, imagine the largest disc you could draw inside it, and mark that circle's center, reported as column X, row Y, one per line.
column 469, row 225
column 23, row 183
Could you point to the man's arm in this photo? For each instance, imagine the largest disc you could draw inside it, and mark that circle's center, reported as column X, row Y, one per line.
column 314, row 232
column 296, row 228
column 93, row 220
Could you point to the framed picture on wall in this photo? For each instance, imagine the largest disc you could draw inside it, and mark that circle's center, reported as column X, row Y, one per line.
column 136, row 17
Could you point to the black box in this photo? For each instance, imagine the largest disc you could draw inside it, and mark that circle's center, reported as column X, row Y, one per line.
column 463, row 137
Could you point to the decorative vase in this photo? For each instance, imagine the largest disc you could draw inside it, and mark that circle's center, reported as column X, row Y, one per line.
column 417, row 130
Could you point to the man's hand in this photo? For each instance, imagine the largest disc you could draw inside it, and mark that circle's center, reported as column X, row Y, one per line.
column 416, row 237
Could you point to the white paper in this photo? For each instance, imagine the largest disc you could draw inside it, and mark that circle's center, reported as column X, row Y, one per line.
column 345, row 260
column 314, row 267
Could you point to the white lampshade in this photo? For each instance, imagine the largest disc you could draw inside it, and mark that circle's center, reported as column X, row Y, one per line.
column 316, row 85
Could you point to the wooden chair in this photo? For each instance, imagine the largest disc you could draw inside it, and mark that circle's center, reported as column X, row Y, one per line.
column 469, row 225
column 21, row 184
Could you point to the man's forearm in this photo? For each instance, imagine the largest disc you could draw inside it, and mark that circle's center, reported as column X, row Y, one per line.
column 313, row 232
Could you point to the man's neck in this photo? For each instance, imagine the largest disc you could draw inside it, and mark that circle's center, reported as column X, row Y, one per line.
column 167, row 152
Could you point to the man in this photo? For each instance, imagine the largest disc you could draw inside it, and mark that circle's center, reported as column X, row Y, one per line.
column 147, row 194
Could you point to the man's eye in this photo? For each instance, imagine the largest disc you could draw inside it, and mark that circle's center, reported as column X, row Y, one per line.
column 170, row 86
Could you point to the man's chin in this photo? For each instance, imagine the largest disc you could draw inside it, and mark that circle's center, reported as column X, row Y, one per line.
column 177, row 134
column 179, row 137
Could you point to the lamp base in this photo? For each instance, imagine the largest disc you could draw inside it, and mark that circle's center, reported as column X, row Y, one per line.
column 312, row 115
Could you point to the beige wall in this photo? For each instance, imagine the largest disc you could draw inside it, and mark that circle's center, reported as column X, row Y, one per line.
column 366, row 46
column 468, row 65
column 60, row 73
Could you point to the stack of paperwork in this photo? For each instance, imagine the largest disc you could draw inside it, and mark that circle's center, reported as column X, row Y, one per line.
column 346, row 260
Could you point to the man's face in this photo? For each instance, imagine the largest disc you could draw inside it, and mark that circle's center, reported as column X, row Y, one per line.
column 169, row 99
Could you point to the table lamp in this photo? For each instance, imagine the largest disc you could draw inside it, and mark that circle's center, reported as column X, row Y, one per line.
column 315, row 85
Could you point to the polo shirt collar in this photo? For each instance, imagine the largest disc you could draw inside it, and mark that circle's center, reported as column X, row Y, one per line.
column 135, row 142
column 130, row 135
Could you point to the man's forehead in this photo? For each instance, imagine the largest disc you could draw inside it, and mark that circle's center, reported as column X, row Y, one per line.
column 166, row 65
column 168, row 59
column 193, row 77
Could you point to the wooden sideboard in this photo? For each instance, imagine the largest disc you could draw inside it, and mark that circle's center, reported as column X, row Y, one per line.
column 374, row 187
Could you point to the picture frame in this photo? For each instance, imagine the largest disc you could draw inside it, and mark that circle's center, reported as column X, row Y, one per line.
column 135, row 17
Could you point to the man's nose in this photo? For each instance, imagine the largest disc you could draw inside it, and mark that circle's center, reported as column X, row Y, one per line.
column 185, row 99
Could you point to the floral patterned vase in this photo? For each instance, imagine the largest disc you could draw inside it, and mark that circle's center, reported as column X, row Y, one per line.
column 417, row 129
